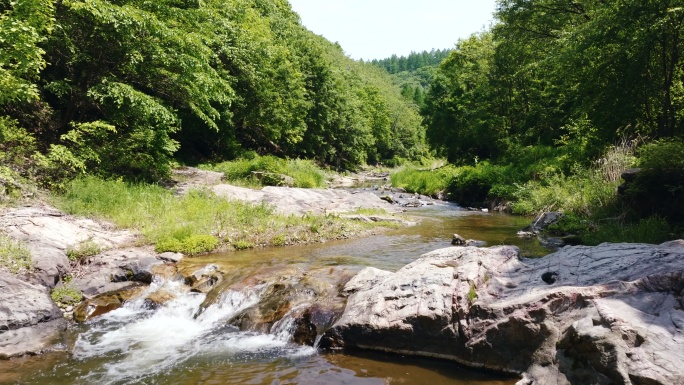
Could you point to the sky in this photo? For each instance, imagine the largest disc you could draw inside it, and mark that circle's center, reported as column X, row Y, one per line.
column 376, row 29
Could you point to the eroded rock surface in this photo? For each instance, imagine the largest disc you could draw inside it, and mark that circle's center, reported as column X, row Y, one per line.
column 300, row 201
column 48, row 233
column 29, row 320
column 610, row 314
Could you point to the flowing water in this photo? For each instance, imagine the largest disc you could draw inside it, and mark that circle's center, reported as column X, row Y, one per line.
column 181, row 342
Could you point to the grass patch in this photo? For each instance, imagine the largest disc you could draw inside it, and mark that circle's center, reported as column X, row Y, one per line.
column 653, row 230
column 188, row 245
column 83, row 250
column 258, row 171
column 13, row 255
column 199, row 221
column 66, row 294
column 426, row 182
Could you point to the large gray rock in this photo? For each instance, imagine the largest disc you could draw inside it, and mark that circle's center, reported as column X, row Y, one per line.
column 113, row 270
column 48, row 234
column 300, row 201
column 610, row 314
column 29, row 320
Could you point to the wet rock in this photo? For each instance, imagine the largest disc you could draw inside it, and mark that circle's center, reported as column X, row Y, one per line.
column 105, row 303
column 387, row 198
column 28, row 317
column 31, row 340
column 458, row 240
column 159, row 298
column 308, row 300
column 140, row 269
column 609, row 314
column 171, row 257
column 542, row 222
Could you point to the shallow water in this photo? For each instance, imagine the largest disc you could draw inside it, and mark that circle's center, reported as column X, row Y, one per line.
column 175, row 344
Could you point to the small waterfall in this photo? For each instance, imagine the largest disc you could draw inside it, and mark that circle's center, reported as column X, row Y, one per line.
column 138, row 342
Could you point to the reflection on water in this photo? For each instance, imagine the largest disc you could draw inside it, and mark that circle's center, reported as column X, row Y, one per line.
column 175, row 345
column 394, row 249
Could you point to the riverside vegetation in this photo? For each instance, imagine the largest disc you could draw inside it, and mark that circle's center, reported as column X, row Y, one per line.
column 239, row 86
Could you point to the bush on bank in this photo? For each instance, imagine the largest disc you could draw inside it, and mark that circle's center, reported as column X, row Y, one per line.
column 256, row 171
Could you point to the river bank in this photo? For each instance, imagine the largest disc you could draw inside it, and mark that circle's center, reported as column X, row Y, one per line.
column 307, row 295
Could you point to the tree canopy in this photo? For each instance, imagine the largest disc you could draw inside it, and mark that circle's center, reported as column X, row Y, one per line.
column 555, row 73
column 125, row 87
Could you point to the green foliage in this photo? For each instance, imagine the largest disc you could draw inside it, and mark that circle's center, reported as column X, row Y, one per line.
column 13, row 255
column 192, row 222
column 659, row 186
column 244, row 245
column 188, row 245
column 23, row 26
column 584, row 193
column 472, row 293
column 471, row 185
column 305, row 173
column 83, row 250
column 653, row 230
column 66, row 294
column 412, row 62
column 427, row 182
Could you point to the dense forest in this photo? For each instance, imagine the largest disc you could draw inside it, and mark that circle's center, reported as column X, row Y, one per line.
column 128, row 87
column 544, row 109
column 558, row 73
column 414, row 61
column 413, row 73
column 550, row 106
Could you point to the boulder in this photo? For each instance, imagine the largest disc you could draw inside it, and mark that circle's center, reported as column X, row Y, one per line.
column 29, row 320
column 542, row 222
column 458, row 240
column 610, row 314
column 114, row 270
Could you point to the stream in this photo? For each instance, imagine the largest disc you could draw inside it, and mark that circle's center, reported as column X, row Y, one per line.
column 186, row 341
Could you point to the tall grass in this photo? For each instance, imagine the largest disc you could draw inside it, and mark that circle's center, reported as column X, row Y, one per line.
column 426, row 182
column 586, row 191
column 199, row 221
column 304, row 173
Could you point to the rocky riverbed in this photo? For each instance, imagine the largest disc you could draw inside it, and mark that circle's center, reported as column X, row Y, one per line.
column 610, row 314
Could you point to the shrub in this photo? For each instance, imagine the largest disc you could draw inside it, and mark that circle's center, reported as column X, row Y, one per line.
column 188, row 245
column 648, row 230
column 243, row 245
column 426, row 182
column 658, row 189
column 471, row 185
column 305, row 173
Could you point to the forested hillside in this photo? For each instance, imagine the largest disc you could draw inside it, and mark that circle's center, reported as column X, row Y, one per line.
column 549, row 107
column 564, row 74
column 128, row 87
column 413, row 73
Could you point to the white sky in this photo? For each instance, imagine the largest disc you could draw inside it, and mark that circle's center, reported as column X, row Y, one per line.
column 376, row 29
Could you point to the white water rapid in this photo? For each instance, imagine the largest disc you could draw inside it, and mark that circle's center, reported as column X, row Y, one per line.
column 136, row 342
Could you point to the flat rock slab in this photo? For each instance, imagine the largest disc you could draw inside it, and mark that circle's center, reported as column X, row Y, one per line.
column 610, row 314
column 300, row 201
column 28, row 317
column 48, row 233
